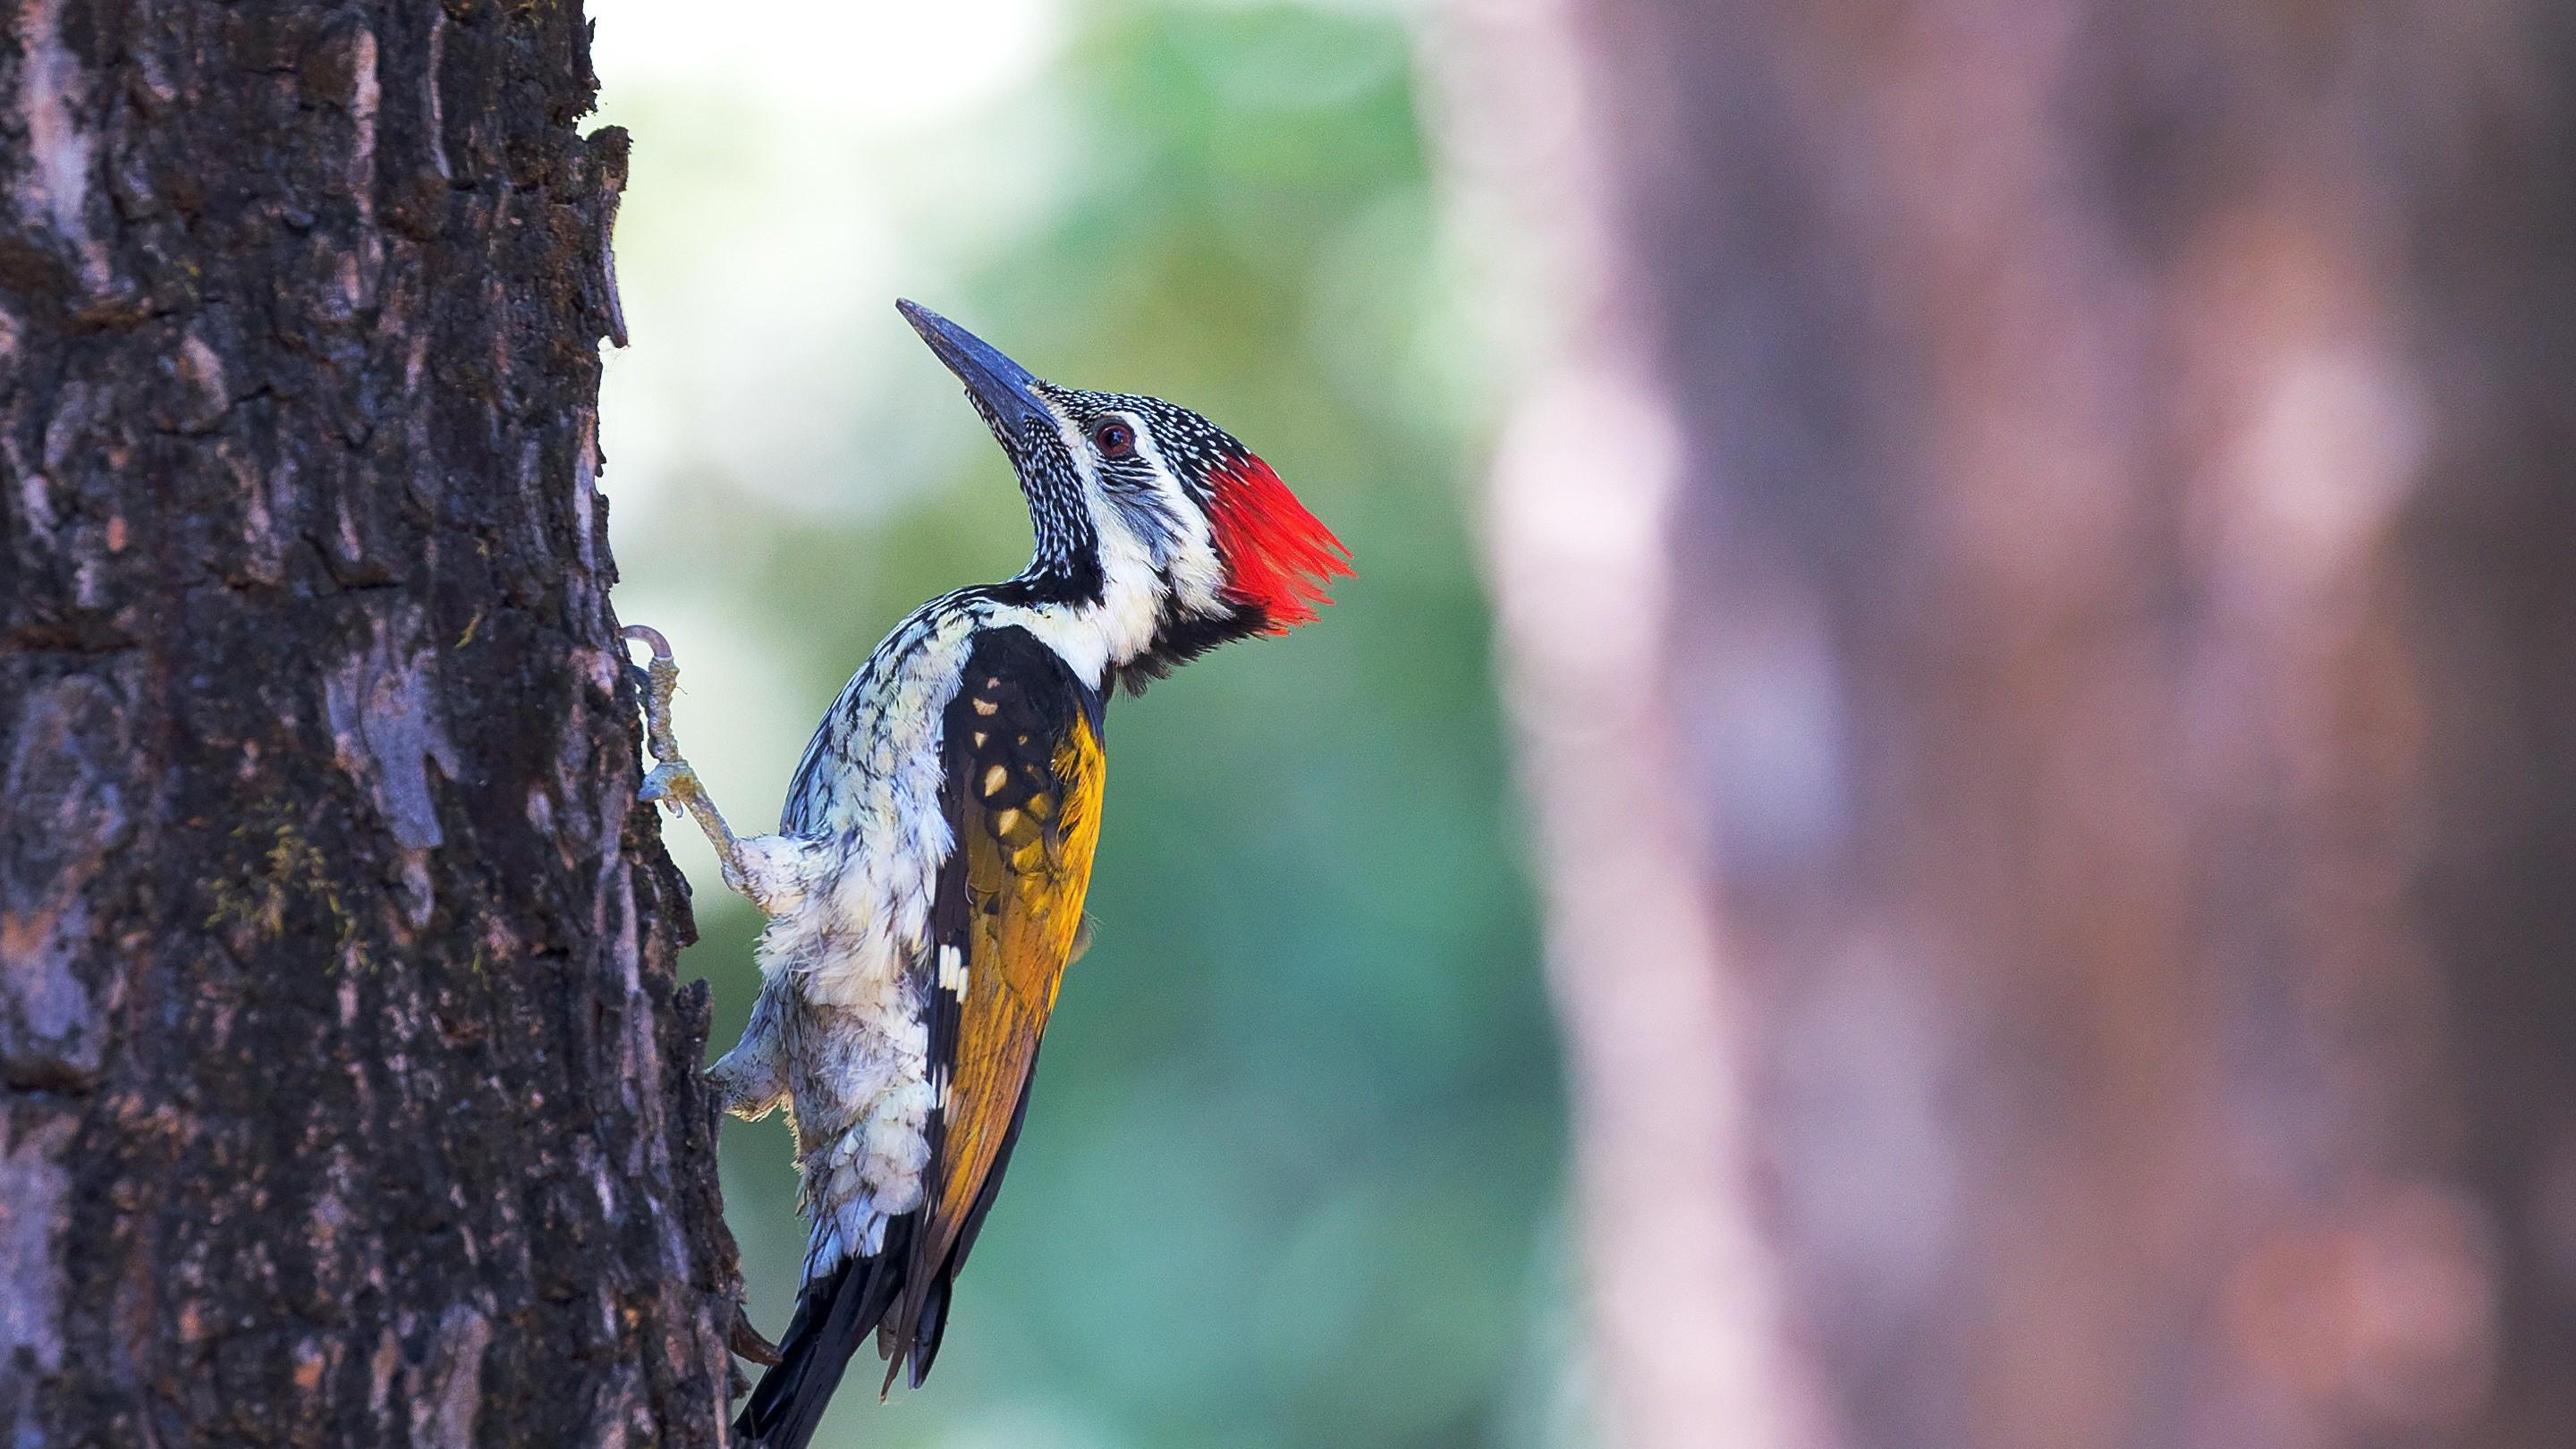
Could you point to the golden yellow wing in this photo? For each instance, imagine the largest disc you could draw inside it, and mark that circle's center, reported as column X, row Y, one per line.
column 1025, row 770
column 1028, row 863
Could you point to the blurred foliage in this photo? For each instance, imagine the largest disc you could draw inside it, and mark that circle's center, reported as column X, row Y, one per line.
column 1293, row 1168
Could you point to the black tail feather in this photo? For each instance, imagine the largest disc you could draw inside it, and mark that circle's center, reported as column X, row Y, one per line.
column 838, row 1310
column 927, row 1329
column 834, row 1314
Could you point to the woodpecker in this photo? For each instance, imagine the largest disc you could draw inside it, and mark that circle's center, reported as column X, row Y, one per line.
column 924, row 890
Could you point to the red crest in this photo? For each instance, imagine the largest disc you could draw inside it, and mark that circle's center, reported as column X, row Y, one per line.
column 1277, row 555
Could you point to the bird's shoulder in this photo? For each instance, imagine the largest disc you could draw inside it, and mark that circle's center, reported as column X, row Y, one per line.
column 1011, row 675
column 891, row 716
column 883, row 724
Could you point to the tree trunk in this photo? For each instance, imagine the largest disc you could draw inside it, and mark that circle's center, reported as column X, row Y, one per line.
column 349, row 1098
column 2042, row 619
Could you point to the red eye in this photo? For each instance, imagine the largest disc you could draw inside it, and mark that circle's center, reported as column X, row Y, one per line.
column 1114, row 439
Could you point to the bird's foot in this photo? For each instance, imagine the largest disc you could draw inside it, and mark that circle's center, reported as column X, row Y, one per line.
column 673, row 784
column 660, row 680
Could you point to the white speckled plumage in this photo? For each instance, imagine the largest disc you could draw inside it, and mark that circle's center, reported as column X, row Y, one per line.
column 1158, row 537
column 848, row 883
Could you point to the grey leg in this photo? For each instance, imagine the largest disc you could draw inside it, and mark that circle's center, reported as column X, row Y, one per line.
column 673, row 783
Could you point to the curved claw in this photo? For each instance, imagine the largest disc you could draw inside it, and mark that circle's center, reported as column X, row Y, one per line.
column 648, row 635
column 746, row 1341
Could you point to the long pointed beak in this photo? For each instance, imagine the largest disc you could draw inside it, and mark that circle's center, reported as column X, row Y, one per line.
column 1004, row 392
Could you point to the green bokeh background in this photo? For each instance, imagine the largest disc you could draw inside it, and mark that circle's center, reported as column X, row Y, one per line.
column 1294, row 1169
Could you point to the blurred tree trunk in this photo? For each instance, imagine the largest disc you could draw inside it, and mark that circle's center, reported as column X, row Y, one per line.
column 2044, row 626
column 346, row 1096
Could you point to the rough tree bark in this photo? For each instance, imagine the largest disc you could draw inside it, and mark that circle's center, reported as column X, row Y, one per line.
column 346, row 1094
column 2041, row 611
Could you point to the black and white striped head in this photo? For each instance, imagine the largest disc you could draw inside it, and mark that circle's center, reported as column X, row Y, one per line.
column 1144, row 511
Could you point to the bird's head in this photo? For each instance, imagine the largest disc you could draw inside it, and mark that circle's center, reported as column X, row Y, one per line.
column 1151, row 521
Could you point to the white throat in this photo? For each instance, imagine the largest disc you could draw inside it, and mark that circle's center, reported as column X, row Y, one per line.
column 1094, row 638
